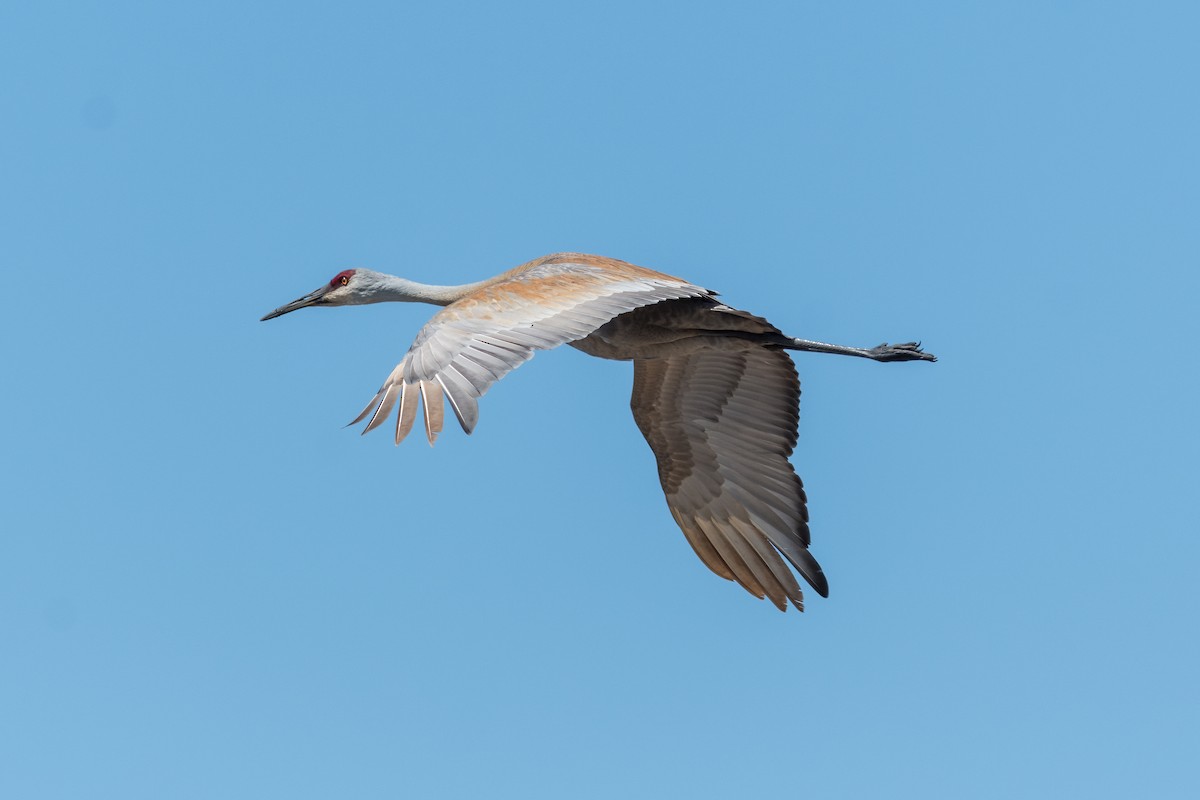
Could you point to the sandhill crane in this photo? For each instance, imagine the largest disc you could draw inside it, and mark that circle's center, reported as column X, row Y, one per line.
column 714, row 392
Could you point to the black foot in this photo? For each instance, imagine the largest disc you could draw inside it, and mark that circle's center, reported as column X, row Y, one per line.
column 909, row 351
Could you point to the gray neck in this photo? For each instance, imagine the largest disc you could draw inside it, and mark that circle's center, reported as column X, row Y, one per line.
column 390, row 288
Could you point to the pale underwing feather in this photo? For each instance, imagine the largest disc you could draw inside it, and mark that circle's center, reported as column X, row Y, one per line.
column 485, row 335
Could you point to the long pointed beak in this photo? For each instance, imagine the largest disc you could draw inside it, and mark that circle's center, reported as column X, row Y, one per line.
column 313, row 298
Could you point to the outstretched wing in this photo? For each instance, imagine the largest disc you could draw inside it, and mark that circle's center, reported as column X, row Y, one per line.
column 475, row 341
column 722, row 423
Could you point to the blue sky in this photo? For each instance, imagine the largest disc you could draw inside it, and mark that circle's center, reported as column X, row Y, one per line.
column 208, row 588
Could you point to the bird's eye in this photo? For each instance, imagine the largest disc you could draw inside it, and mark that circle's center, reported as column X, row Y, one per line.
column 341, row 279
column 344, row 280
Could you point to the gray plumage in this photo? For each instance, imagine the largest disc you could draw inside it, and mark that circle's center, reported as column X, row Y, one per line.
column 714, row 392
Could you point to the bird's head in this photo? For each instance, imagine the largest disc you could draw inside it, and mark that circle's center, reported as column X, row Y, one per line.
column 348, row 287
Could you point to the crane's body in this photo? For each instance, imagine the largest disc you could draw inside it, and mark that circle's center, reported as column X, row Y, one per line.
column 715, row 394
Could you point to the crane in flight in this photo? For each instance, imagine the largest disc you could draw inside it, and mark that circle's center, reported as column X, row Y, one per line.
column 714, row 392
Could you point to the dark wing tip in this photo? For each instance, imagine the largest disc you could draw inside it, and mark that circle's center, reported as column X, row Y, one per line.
column 818, row 582
column 808, row 567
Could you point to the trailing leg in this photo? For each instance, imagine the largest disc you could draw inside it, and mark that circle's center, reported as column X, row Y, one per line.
column 908, row 351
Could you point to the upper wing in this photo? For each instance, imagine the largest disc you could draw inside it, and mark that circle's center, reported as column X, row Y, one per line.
column 472, row 343
column 722, row 423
